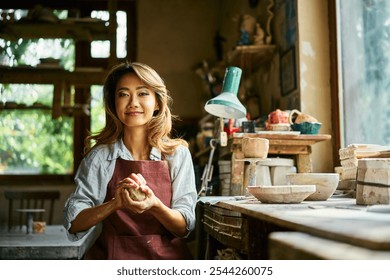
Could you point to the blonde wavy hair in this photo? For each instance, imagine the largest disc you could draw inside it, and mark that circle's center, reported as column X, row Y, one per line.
column 160, row 126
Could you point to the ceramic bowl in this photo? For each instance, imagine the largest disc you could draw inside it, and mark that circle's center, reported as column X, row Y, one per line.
column 307, row 127
column 282, row 194
column 255, row 147
column 326, row 183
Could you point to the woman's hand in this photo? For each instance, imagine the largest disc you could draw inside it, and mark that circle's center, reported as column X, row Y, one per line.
column 91, row 216
column 124, row 199
column 171, row 219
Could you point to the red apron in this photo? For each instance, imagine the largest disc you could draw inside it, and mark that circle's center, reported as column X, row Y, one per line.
column 131, row 236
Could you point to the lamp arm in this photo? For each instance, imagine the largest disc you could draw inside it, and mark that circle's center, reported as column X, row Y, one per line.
column 208, row 171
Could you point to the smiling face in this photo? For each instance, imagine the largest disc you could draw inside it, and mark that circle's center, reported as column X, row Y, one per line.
column 135, row 102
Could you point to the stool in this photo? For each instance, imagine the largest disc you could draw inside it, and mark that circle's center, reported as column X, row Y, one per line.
column 251, row 174
column 263, row 177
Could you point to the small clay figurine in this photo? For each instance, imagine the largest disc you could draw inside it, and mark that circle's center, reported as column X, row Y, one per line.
column 258, row 38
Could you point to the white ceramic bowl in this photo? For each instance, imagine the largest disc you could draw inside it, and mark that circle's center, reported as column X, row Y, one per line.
column 326, row 183
column 280, row 127
column 282, row 194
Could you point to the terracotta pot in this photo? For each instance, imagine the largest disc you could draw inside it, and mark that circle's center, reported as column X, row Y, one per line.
column 255, row 147
column 278, row 116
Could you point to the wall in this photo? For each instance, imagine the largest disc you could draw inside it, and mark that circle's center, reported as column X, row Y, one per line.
column 174, row 36
column 315, row 96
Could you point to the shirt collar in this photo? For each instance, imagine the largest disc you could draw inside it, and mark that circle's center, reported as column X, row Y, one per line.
column 119, row 150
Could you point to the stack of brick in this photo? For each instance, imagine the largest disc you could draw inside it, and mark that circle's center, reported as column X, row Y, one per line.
column 349, row 157
column 349, row 162
column 373, row 181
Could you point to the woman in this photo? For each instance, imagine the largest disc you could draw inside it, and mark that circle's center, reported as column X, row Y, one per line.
column 134, row 151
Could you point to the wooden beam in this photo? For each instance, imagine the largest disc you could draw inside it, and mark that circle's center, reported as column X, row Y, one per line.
column 63, row 4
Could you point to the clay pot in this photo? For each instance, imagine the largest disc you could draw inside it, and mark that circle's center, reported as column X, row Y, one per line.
column 278, row 116
column 255, row 147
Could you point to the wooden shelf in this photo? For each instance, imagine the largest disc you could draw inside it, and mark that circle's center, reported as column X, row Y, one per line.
column 251, row 57
column 37, row 75
column 23, row 107
column 67, row 29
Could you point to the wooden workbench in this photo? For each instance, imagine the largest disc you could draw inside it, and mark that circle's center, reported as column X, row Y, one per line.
column 335, row 220
column 283, row 144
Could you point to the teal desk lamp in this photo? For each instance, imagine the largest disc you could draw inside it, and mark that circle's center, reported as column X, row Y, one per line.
column 226, row 104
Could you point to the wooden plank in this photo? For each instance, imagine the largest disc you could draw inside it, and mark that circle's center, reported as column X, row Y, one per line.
column 57, row 99
column 223, row 237
column 312, row 138
column 304, row 163
column 302, row 246
column 36, row 75
column 82, row 31
column 225, row 226
column 237, row 176
column 284, row 149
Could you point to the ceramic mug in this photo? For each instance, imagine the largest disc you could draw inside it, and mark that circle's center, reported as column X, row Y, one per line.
column 248, row 127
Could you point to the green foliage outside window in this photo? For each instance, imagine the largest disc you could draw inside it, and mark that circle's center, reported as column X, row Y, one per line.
column 33, row 143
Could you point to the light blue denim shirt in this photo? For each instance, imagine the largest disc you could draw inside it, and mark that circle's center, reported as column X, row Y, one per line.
column 97, row 168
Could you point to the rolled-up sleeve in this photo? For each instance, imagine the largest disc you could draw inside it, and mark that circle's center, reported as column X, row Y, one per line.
column 183, row 185
column 91, row 184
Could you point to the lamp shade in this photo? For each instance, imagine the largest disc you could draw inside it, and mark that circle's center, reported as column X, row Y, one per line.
column 227, row 104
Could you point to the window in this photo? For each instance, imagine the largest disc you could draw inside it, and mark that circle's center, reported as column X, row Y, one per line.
column 33, row 143
column 364, row 49
column 97, row 109
column 101, row 49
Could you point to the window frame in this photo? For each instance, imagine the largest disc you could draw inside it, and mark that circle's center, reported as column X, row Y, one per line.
column 83, row 58
column 334, row 80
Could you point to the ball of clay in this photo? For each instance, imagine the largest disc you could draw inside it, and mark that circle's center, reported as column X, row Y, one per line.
column 136, row 194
